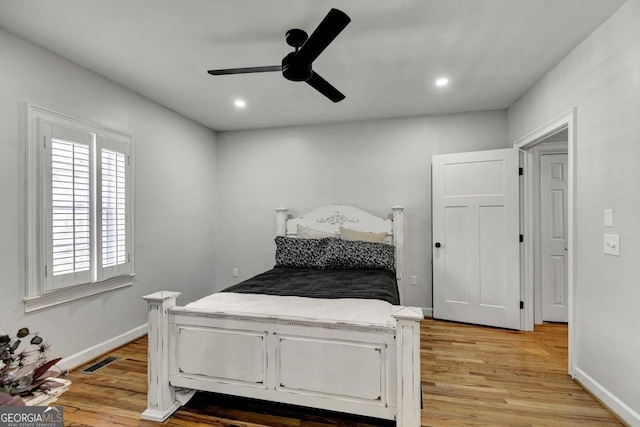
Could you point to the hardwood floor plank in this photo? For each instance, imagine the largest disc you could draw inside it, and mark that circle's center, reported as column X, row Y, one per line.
column 526, row 371
column 471, row 376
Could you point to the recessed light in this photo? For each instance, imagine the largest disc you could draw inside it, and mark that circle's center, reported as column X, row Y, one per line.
column 239, row 103
column 442, row 81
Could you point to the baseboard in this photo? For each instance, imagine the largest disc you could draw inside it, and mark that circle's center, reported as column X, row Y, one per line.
column 608, row 399
column 91, row 353
column 427, row 312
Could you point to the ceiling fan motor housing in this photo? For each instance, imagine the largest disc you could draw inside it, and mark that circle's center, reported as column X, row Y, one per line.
column 294, row 69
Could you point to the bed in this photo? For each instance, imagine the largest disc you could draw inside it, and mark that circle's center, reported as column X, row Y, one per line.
column 324, row 349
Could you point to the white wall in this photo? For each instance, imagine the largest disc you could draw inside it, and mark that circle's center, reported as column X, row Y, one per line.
column 174, row 187
column 601, row 77
column 372, row 165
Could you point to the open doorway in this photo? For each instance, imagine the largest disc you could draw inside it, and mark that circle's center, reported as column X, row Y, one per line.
column 548, row 225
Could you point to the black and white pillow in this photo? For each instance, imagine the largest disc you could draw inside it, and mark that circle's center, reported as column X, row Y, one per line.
column 345, row 254
column 300, row 253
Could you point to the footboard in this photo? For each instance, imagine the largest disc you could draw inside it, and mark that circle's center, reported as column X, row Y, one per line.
column 372, row 371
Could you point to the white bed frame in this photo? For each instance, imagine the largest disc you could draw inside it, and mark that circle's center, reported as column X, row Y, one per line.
column 366, row 370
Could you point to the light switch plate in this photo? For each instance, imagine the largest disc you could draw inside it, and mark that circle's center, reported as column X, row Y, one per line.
column 608, row 217
column 612, row 244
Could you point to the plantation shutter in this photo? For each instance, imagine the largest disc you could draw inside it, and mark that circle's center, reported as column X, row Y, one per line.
column 79, row 209
column 114, row 235
column 69, row 225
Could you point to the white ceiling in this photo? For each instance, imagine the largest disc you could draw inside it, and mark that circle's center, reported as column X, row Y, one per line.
column 385, row 61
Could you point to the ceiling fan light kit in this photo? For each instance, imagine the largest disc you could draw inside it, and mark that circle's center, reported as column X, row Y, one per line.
column 297, row 65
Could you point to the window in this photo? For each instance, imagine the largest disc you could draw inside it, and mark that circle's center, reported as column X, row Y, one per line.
column 79, row 209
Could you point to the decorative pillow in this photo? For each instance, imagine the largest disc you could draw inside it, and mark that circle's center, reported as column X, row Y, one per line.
column 309, row 233
column 300, row 253
column 364, row 236
column 346, row 254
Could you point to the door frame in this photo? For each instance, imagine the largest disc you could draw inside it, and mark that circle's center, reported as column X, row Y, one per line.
column 526, row 144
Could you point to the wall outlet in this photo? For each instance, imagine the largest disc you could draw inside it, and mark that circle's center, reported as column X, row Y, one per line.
column 414, row 280
column 235, row 272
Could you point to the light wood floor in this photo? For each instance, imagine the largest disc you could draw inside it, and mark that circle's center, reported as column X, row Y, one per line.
column 471, row 376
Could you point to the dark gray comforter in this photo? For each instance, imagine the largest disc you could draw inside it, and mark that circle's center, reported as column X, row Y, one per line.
column 329, row 284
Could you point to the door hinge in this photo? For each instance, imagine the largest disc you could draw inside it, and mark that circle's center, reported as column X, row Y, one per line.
column 520, row 171
column 521, row 305
column 521, row 238
column 45, row 141
column 46, row 270
column 128, row 257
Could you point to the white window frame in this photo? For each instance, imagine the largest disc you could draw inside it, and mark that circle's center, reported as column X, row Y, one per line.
column 40, row 292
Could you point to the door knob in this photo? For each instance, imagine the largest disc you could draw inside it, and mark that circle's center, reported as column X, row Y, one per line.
column 438, row 244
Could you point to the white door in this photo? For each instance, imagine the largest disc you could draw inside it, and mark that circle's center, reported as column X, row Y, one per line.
column 476, row 228
column 553, row 237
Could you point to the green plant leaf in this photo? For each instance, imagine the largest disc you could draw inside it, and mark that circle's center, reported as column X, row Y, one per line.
column 46, row 378
column 36, row 340
column 15, row 346
column 23, row 384
column 23, row 332
column 4, row 339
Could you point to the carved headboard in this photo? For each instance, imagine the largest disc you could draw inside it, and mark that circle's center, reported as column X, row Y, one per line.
column 329, row 218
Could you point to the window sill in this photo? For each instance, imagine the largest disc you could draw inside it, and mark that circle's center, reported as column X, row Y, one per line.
column 63, row 296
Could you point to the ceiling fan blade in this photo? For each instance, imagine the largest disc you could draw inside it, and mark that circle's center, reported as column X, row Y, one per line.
column 327, row 30
column 325, row 88
column 245, row 70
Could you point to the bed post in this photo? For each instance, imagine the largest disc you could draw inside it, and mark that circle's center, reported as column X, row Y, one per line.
column 409, row 396
column 161, row 398
column 281, row 221
column 398, row 243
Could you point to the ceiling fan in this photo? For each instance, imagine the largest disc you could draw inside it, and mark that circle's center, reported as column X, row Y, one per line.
column 296, row 66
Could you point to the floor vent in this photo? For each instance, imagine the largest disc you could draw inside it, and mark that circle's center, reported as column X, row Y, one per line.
column 101, row 364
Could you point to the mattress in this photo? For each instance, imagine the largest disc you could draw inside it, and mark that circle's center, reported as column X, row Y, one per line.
column 326, row 284
column 361, row 297
column 364, row 312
